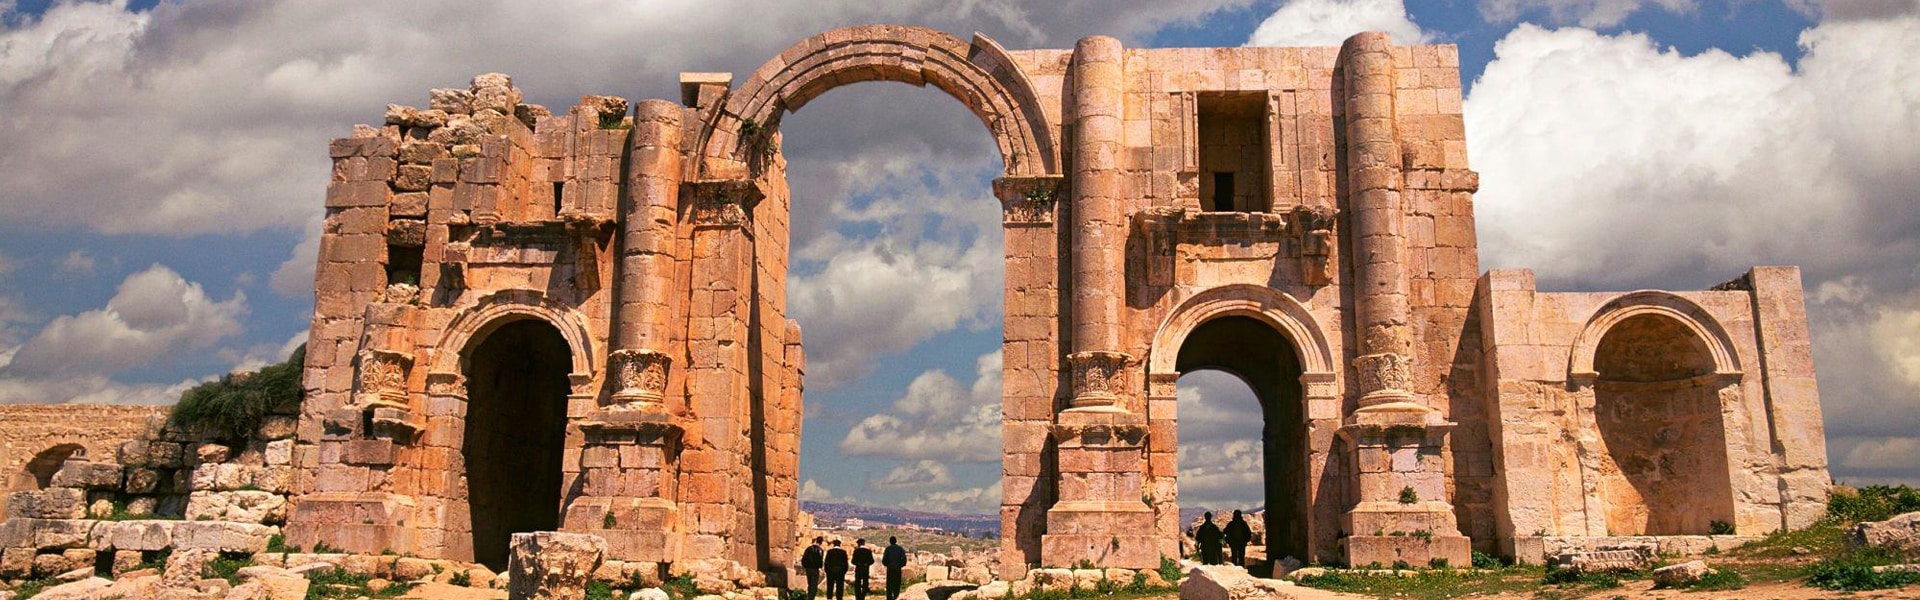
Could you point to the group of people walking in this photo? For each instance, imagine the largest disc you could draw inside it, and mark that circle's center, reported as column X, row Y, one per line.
column 1236, row 536
column 835, row 561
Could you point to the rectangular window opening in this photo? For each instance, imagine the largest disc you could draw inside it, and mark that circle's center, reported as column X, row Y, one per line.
column 1234, row 151
column 559, row 196
column 403, row 264
column 1223, row 192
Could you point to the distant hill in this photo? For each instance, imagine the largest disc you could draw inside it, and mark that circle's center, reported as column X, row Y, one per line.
column 828, row 513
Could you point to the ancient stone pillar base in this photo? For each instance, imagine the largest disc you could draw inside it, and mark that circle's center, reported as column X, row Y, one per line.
column 1403, row 514
column 1102, row 515
column 627, row 489
column 354, row 522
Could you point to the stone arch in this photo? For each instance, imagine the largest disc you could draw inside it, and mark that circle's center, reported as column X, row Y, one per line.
column 38, row 472
column 1318, row 408
column 1656, row 377
column 507, row 306
column 1275, row 308
column 1686, row 313
column 979, row 74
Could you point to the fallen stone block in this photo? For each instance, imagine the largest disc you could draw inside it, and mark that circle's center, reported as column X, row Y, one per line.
column 1900, row 532
column 84, row 589
column 549, row 565
column 1680, row 574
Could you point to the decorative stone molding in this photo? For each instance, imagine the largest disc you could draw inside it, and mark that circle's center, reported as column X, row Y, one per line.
column 1028, row 201
column 1165, row 228
column 624, row 427
column 1314, row 225
column 383, row 379
column 446, row 384
column 639, row 376
column 722, row 202
column 1099, row 377
column 1100, row 435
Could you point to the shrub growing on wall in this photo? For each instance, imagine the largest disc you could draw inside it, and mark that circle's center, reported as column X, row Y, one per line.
column 232, row 407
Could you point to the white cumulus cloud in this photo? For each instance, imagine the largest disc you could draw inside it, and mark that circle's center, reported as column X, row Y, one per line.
column 1220, row 442
column 938, row 418
column 1330, row 22
column 154, row 315
column 921, row 474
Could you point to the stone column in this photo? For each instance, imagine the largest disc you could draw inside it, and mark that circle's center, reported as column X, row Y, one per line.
column 638, row 366
column 1373, row 171
column 1397, row 444
column 1099, row 225
column 628, row 491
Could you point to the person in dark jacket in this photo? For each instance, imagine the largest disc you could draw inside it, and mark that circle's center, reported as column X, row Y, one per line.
column 862, row 569
column 894, row 560
column 1209, row 539
column 1238, row 534
column 836, row 571
column 811, row 560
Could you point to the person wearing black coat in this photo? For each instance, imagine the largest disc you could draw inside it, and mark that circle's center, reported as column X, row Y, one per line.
column 836, row 572
column 1237, row 535
column 894, row 560
column 811, row 560
column 1208, row 537
column 862, row 569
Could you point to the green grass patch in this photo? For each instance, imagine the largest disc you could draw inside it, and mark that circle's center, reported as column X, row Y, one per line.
column 337, row 584
column 1871, row 503
column 32, row 587
column 1852, row 570
column 227, row 566
column 1718, row 580
column 233, row 408
column 1433, row 584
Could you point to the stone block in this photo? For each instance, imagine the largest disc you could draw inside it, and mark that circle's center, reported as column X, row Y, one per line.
column 222, row 537
column 140, row 536
column 55, row 503
column 87, row 475
column 240, row 506
column 1902, row 532
column 548, row 565
column 1680, row 574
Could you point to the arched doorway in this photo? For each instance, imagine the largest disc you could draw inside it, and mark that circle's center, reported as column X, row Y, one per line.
column 515, row 431
column 1268, row 363
column 38, row 472
column 1657, row 405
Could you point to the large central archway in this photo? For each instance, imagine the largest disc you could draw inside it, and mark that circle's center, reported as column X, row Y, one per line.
column 515, row 431
column 1269, row 365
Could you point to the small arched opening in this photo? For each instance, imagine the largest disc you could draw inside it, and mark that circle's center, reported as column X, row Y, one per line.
column 1270, row 367
column 38, row 472
column 1657, row 404
column 515, row 433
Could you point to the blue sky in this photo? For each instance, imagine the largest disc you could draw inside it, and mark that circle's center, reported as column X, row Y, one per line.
column 164, row 165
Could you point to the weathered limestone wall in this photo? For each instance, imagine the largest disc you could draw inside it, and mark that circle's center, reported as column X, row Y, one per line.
column 54, row 432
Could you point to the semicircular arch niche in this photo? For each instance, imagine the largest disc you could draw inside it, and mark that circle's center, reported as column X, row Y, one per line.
column 1657, row 405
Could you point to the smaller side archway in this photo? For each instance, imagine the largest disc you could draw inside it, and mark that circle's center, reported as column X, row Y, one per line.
column 507, row 371
column 1656, row 377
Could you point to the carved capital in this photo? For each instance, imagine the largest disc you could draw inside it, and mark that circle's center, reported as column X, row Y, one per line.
column 383, row 379
column 721, row 202
column 1383, row 378
column 638, row 376
column 1028, row 201
column 1099, row 377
